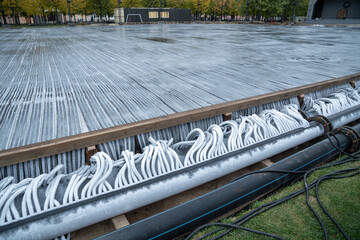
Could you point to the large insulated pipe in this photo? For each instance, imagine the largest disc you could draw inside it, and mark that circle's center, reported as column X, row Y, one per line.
column 186, row 217
column 344, row 117
column 71, row 217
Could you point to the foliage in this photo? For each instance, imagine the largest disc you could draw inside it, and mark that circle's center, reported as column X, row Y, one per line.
column 99, row 7
column 266, row 8
column 11, row 7
column 273, row 8
column 30, row 7
column 132, row 3
column 79, row 7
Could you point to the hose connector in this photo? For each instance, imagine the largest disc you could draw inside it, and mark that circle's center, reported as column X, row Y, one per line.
column 326, row 122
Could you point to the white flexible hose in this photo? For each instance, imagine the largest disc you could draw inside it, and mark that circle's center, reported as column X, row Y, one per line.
column 342, row 99
column 243, row 132
column 158, row 158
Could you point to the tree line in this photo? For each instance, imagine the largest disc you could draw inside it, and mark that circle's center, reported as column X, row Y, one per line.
column 265, row 8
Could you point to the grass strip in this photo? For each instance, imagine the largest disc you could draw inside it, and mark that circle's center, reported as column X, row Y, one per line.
column 294, row 220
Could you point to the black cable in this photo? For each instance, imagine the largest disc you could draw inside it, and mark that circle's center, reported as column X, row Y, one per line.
column 267, row 206
column 311, row 208
column 322, row 206
column 267, row 171
column 329, row 135
column 357, row 135
column 238, row 227
column 245, row 218
column 308, row 192
column 309, row 204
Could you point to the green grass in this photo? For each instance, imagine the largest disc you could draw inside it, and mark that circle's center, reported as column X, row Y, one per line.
column 294, row 220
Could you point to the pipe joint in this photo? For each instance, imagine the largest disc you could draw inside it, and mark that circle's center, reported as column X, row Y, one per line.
column 352, row 134
column 326, row 122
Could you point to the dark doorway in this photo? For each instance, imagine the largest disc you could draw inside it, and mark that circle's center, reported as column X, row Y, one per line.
column 318, row 7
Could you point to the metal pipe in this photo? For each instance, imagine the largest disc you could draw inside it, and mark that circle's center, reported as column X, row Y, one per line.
column 344, row 117
column 188, row 216
column 85, row 212
column 94, row 209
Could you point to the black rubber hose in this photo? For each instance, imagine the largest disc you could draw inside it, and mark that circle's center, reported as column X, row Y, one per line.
column 186, row 217
column 267, row 206
column 242, row 228
column 324, row 209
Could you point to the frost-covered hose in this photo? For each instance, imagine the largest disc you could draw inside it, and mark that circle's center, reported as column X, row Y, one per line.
column 98, row 183
column 128, row 173
column 292, row 110
column 163, row 156
column 205, row 145
column 198, row 136
column 64, row 237
column 230, row 131
column 77, row 178
column 245, row 131
column 157, row 159
column 30, row 198
column 28, row 190
column 7, row 200
column 218, row 148
column 5, row 182
column 50, row 201
column 282, row 122
column 333, row 103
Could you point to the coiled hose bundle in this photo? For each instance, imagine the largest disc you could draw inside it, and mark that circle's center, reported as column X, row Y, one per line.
column 48, row 191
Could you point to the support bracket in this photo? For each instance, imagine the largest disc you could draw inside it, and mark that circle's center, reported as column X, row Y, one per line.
column 90, row 151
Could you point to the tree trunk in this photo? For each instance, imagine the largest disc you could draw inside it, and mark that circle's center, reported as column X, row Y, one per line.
column 4, row 17
column 13, row 16
column 44, row 17
column 56, row 16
